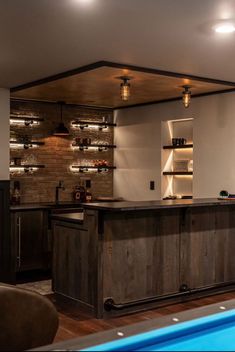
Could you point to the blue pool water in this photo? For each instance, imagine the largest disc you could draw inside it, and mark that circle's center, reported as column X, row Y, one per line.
column 211, row 333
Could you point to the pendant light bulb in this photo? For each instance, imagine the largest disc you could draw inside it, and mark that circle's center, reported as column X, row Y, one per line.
column 125, row 89
column 186, row 96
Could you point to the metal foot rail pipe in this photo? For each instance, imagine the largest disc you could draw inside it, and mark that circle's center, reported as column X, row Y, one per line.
column 110, row 304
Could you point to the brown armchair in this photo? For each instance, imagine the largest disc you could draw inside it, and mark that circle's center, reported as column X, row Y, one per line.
column 27, row 319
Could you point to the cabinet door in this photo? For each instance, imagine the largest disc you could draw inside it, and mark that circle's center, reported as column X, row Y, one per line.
column 74, row 262
column 30, row 239
column 225, row 244
column 198, row 248
column 141, row 255
column 208, row 247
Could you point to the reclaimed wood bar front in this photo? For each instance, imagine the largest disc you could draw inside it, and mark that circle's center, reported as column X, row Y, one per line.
column 127, row 256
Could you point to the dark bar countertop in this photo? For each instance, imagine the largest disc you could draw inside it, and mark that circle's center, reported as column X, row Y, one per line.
column 50, row 205
column 157, row 205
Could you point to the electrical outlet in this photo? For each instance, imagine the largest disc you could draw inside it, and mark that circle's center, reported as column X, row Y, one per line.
column 152, row 185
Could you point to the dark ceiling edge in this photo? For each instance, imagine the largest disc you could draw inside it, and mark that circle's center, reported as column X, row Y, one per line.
column 53, row 78
column 167, row 73
column 174, row 99
column 34, row 101
column 121, row 66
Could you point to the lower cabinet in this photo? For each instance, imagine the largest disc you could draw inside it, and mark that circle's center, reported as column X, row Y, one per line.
column 30, row 240
column 207, row 247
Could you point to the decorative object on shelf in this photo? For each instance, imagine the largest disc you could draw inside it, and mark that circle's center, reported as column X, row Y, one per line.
column 24, row 142
column 179, row 141
column 101, row 126
column 61, row 130
column 100, row 163
column 99, row 167
column 25, row 168
column 186, row 95
column 100, row 147
column 15, row 193
column 180, row 165
column 226, row 195
column 125, row 88
column 29, row 165
column 190, row 165
column 25, row 120
column 16, row 161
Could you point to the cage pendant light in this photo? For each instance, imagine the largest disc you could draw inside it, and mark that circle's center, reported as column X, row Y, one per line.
column 125, row 90
column 186, row 96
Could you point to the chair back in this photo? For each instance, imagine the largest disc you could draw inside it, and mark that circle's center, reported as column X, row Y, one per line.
column 27, row 319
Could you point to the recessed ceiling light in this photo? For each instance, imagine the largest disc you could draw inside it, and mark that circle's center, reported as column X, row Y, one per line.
column 224, row 28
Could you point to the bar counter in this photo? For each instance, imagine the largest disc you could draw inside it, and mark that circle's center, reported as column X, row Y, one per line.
column 128, row 256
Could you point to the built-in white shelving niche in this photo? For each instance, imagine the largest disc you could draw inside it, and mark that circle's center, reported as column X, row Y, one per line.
column 177, row 159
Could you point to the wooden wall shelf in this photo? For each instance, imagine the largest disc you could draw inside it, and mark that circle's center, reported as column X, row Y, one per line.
column 184, row 146
column 25, row 119
column 100, row 147
column 27, row 144
column 87, row 124
column 178, row 173
column 27, row 166
column 86, row 168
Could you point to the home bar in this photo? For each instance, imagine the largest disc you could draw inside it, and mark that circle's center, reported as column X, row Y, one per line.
column 117, row 180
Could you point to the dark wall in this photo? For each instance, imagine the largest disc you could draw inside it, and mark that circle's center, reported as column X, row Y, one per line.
column 6, row 269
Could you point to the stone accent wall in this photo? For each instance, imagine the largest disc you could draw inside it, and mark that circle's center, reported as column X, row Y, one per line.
column 57, row 154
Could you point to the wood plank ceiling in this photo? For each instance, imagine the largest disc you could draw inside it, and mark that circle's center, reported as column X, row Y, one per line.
column 101, row 87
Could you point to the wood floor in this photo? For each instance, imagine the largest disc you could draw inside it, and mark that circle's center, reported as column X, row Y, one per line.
column 74, row 322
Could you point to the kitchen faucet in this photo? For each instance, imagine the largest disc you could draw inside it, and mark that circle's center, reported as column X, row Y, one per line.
column 60, row 186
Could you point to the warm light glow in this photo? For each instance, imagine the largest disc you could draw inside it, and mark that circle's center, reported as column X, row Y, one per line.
column 88, row 148
column 183, row 176
column 90, row 127
column 23, row 146
column 125, row 89
column 24, row 122
column 85, row 1
column 186, row 96
column 224, row 28
column 22, row 169
column 88, row 169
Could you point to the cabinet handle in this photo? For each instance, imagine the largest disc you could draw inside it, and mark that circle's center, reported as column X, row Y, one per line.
column 19, row 241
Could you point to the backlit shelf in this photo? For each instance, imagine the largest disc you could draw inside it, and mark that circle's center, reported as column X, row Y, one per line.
column 26, row 167
column 87, row 168
column 184, row 146
column 25, row 120
column 99, row 147
column 91, row 124
column 178, row 173
column 25, row 145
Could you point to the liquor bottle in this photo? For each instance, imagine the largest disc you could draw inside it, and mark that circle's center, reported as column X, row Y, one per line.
column 82, row 192
column 76, row 194
column 79, row 193
column 15, row 200
column 88, row 192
